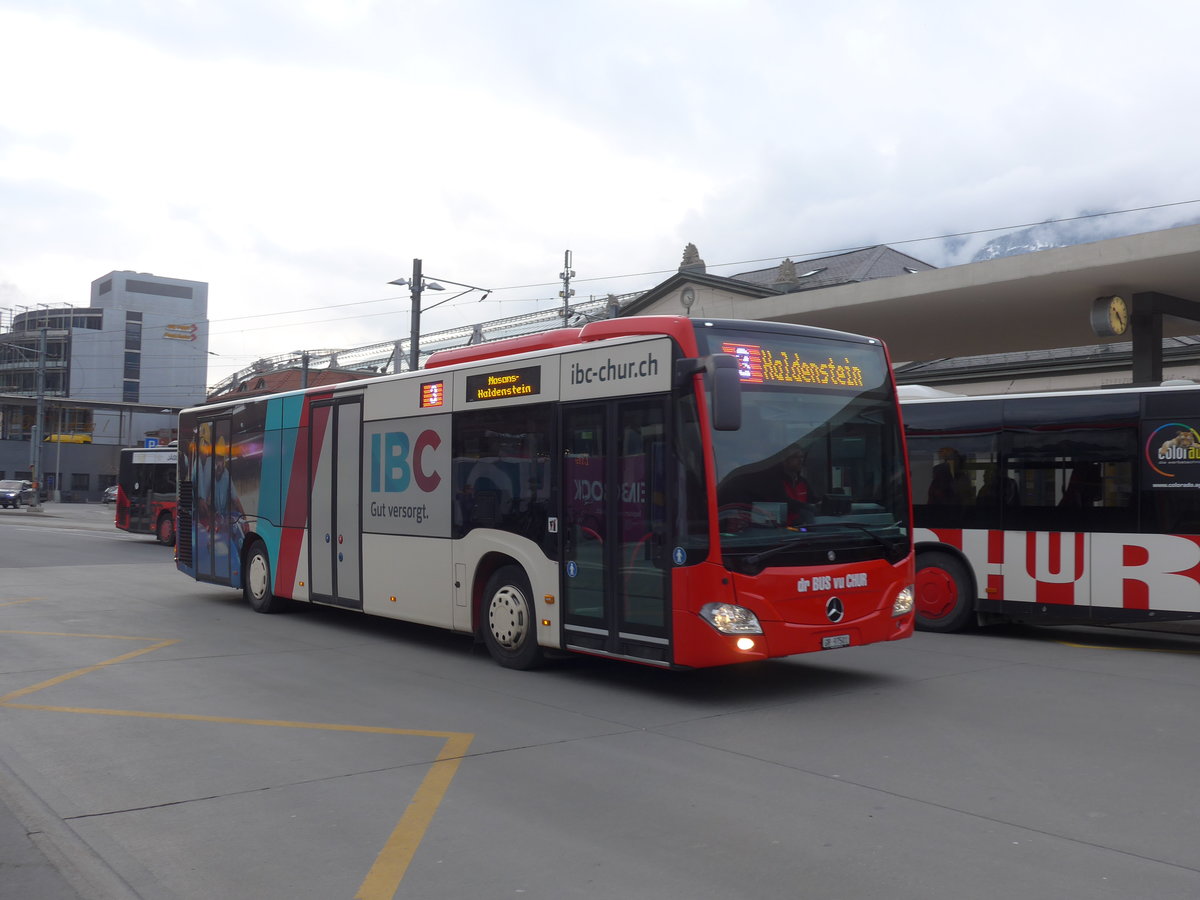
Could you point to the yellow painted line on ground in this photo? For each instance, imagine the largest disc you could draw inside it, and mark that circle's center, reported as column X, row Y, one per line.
column 385, row 876
column 24, row 692
column 104, row 637
column 232, row 720
column 386, row 873
column 1133, row 649
column 17, row 602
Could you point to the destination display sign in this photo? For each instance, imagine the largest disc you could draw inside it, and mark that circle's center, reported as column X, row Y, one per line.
column 505, row 384
column 765, row 364
column 433, row 394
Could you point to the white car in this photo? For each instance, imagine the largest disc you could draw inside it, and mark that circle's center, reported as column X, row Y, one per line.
column 110, row 494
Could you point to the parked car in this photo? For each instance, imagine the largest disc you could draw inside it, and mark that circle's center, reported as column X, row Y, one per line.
column 15, row 493
column 110, row 494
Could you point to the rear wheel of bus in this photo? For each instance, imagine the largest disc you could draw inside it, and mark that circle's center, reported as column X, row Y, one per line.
column 256, row 581
column 508, row 623
column 165, row 530
column 945, row 599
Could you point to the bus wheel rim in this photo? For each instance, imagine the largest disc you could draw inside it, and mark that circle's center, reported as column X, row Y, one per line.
column 937, row 593
column 258, row 575
column 507, row 618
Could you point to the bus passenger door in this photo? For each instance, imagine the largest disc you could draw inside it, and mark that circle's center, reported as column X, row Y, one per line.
column 137, row 492
column 213, row 500
column 334, row 518
column 615, row 572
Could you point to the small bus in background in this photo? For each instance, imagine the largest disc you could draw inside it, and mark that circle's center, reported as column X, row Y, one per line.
column 615, row 490
column 146, row 491
column 1074, row 507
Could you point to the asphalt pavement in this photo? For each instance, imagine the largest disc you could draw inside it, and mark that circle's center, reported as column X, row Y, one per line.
column 40, row 857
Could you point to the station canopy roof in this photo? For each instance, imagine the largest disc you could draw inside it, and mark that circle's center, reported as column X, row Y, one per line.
column 1034, row 301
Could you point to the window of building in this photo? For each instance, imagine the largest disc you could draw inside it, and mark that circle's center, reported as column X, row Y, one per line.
column 159, row 290
column 81, row 481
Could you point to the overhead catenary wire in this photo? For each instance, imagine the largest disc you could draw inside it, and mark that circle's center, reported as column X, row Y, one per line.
column 720, row 265
column 274, row 322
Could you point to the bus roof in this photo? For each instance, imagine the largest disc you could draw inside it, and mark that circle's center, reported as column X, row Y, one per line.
column 919, row 393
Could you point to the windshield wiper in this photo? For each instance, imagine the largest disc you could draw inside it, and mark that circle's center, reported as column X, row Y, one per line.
column 888, row 547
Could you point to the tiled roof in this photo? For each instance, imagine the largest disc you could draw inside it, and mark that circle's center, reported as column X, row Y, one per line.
column 842, row 268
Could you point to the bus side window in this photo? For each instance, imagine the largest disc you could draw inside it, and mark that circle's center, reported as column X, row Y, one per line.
column 1074, row 473
column 691, row 526
column 502, row 472
column 952, row 452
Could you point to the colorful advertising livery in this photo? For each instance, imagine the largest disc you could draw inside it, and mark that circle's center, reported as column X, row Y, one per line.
column 555, row 492
column 1172, row 454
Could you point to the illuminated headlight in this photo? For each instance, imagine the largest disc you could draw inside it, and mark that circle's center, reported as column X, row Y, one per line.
column 903, row 602
column 730, row 619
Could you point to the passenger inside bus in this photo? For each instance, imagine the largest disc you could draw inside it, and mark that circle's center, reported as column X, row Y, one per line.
column 997, row 489
column 1084, row 489
column 951, row 485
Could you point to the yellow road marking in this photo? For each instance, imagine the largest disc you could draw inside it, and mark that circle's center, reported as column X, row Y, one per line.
column 23, row 692
column 104, row 637
column 1134, row 649
column 386, row 873
column 17, row 602
column 385, row 876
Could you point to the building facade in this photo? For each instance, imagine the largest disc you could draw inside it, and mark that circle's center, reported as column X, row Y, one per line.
column 112, row 374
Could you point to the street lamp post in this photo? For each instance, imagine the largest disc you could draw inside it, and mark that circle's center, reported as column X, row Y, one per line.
column 416, row 285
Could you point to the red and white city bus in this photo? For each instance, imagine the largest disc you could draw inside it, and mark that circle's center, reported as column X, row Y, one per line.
column 146, row 491
column 1073, row 507
column 612, row 490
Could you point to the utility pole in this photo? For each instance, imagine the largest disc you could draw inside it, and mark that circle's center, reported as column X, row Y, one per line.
column 414, row 338
column 35, row 451
column 566, row 293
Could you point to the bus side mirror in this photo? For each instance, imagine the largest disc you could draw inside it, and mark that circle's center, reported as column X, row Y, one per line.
column 685, row 369
column 726, row 392
column 726, row 384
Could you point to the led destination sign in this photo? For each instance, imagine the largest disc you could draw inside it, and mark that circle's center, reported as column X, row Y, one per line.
column 759, row 364
column 505, row 385
column 433, row 394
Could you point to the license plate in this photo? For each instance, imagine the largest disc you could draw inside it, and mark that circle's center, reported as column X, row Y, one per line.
column 834, row 642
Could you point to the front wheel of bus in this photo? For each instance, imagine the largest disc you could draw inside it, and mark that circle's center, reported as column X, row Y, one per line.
column 945, row 601
column 256, row 581
column 509, row 627
column 166, row 529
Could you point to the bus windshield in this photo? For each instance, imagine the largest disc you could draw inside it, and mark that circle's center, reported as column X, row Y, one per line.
column 817, row 465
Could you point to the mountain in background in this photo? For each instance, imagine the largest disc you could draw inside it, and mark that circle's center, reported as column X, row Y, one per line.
column 1049, row 235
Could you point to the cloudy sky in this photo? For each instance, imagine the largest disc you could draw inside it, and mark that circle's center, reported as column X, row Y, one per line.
column 299, row 154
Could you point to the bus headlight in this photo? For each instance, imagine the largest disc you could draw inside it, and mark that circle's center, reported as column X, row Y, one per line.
column 903, row 602
column 730, row 619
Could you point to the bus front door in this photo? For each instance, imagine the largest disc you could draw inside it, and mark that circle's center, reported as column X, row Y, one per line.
column 615, row 574
column 334, row 520
column 216, row 512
